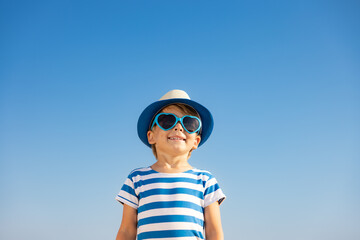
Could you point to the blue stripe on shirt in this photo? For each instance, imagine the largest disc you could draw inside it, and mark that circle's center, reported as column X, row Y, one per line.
column 170, row 234
column 167, row 180
column 211, row 189
column 170, row 204
column 170, row 218
column 128, row 189
column 172, row 180
column 171, row 191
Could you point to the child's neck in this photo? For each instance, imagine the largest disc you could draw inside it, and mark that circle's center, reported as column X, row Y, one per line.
column 171, row 164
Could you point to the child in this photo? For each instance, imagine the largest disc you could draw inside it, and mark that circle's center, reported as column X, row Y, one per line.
column 171, row 199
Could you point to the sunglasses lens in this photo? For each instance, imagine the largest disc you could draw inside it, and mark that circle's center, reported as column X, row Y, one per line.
column 166, row 121
column 191, row 124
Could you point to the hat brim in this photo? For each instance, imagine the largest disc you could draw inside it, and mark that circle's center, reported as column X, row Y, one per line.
column 149, row 112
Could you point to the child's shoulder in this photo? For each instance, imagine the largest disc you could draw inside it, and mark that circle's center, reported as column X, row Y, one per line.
column 140, row 171
column 202, row 172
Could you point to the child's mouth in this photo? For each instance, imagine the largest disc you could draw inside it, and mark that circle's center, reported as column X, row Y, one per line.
column 176, row 138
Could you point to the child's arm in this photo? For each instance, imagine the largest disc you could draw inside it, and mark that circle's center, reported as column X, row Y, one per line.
column 213, row 228
column 128, row 225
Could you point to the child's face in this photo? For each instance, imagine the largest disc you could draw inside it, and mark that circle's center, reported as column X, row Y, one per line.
column 175, row 141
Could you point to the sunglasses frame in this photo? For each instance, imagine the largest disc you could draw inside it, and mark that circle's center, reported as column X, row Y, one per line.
column 177, row 119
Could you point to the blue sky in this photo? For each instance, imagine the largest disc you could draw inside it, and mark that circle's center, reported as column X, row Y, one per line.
column 281, row 79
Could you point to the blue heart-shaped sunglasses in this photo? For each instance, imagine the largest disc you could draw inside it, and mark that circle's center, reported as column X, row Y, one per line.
column 167, row 121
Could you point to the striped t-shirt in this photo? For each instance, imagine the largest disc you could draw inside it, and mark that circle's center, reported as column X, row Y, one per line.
column 170, row 205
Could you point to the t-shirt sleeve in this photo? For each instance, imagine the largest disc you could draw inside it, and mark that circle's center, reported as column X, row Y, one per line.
column 127, row 194
column 213, row 192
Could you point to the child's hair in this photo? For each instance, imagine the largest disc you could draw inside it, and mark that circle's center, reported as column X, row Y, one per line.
column 185, row 109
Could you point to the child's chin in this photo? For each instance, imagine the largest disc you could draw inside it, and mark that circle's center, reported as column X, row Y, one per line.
column 180, row 146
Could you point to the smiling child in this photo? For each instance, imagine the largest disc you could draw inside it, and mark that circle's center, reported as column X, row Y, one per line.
column 171, row 200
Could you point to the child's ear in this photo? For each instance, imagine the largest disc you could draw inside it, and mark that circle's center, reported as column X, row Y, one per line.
column 150, row 136
column 196, row 142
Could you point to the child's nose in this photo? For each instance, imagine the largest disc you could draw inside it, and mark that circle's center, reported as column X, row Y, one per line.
column 178, row 127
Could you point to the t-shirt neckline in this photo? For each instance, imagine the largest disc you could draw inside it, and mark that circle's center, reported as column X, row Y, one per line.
column 187, row 171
